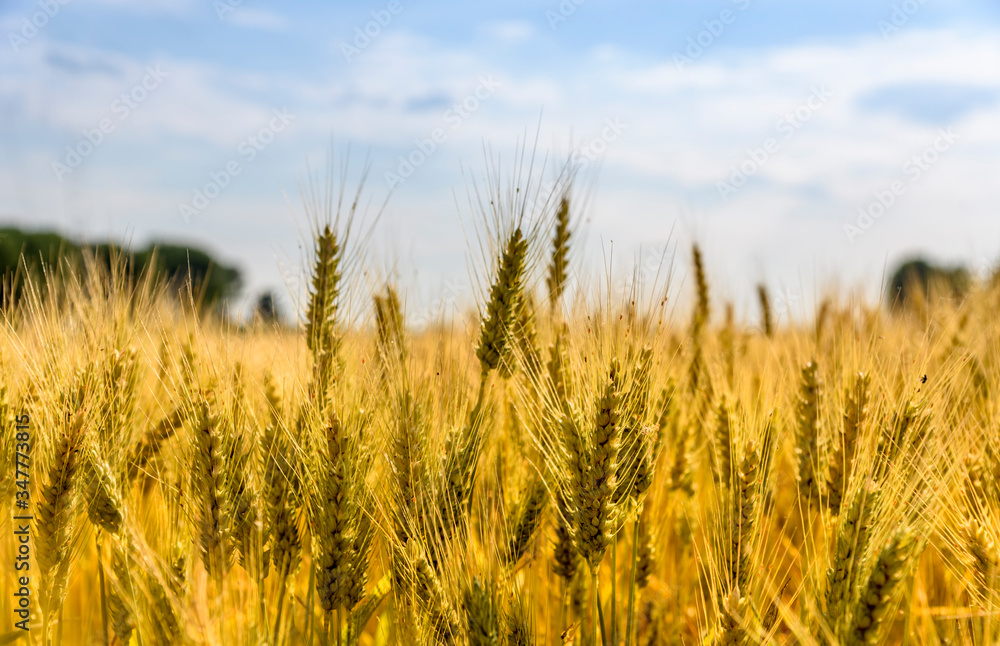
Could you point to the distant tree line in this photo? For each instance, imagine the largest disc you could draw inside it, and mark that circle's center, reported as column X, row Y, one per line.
column 916, row 278
column 213, row 282
column 176, row 265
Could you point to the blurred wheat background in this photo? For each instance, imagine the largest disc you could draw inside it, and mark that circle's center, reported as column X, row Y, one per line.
column 587, row 469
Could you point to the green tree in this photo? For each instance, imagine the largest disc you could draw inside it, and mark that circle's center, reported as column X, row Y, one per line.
column 211, row 281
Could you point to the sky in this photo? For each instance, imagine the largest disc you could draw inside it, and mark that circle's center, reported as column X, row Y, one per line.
column 807, row 145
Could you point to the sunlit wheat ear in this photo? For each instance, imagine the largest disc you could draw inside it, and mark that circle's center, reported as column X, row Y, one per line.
column 845, row 443
column 974, row 486
column 361, row 549
column 807, row 433
column 215, row 530
column 481, row 615
column 983, row 557
column 104, row 503
column 281, row 528
column 766, row 315
column 559, row 264
column 457, row 481
column 520, row 631
column 245, row 500
column 333, row 529
column 636, row 478
column 501, row 309
column 633, row 475
column 436, row 608
column 853, row 534
column 406, row 465
column 702, row 309
column 164, row 615
column 526, row 520
column 734, row 616
column 876, row 599
column 119, row 393
column 745, row 516
column 321, row 315
column 120, row 608
column 723, row 445
column 391, row 332
column 151, row 444
column 594, row 500
column 564, row 553
column 55, row 513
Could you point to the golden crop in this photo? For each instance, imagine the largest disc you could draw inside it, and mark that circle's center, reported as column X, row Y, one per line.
column 587, row 472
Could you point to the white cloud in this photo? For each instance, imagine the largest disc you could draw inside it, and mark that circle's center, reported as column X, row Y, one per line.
column 685, row 130
column 511, row 31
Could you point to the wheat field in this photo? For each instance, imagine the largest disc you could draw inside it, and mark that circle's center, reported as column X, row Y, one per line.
column 566, row 466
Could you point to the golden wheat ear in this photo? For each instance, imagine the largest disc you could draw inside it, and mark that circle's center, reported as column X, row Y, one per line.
column 807, row 434
column 841, row 462
column 481, row 614
column 501, row 310
column 559, row 263
column 702, row 310
column 594, row 498
column 766, row 314
column 390, row 332
column 56, row 511
column 527, row 520
column 878, row 596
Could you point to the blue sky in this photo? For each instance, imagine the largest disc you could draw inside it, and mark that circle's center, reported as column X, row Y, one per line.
column 865, row 131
